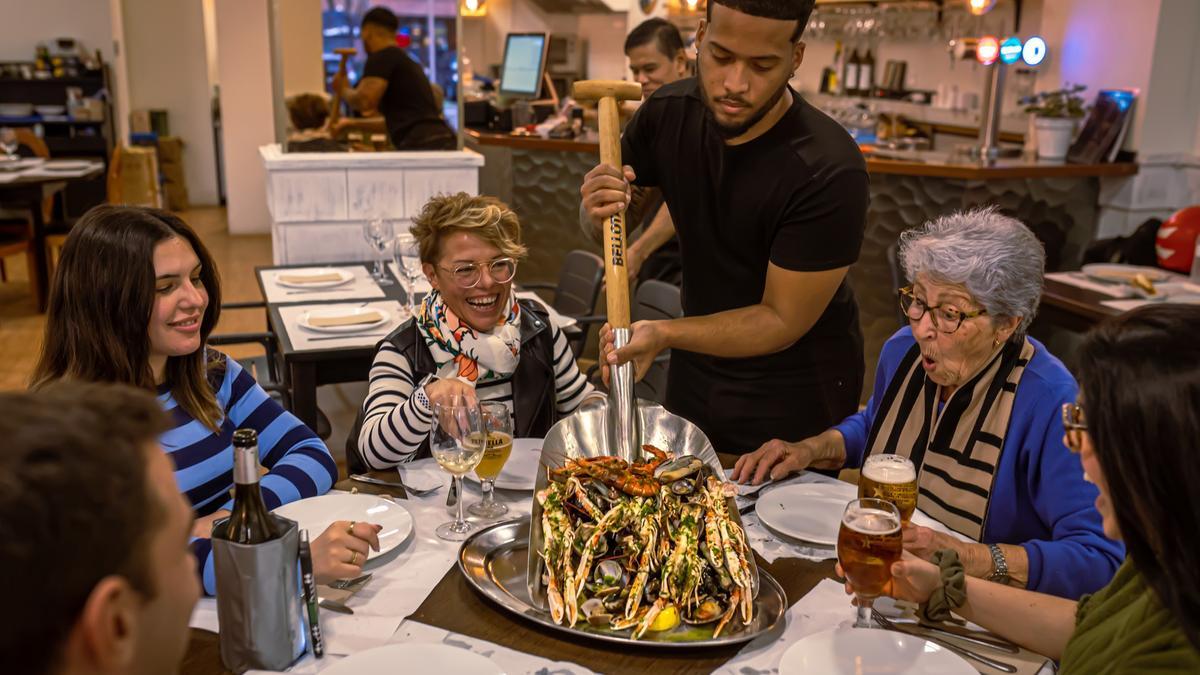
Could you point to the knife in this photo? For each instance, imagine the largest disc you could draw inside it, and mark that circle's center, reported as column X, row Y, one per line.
column 335, row 606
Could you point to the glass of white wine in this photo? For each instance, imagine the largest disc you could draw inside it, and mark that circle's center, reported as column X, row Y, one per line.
column 497, row 424
column 455, row 442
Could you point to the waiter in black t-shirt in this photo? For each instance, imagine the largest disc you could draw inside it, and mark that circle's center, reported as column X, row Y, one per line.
column 769, row 198
column 396, row 86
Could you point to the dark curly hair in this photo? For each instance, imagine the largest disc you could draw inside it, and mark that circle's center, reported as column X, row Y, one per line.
column 798, row 10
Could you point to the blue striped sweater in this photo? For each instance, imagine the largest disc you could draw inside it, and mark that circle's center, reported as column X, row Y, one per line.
column 299, row 465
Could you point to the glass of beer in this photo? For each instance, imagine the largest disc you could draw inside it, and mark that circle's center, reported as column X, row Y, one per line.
column 454, row 441
column 892, row 478
column 497, row 423
column 869, row 541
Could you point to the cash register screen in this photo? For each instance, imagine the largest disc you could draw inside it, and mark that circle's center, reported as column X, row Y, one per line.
column 524, row 61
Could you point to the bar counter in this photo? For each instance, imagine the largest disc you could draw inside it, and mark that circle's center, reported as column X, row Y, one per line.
column 540, row 178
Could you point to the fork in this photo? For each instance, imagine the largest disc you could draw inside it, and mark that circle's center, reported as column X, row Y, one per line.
column 961, row 651
column 414, row 492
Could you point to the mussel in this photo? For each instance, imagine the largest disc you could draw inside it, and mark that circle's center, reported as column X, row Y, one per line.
column 707, row 611
column 680, row 467
column 583, row 534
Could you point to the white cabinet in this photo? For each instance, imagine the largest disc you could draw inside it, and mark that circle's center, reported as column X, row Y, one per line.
column 319, row 201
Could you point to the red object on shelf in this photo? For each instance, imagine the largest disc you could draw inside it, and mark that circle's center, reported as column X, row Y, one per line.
column 988, row 50
column 1176, row 240
column 403, row 41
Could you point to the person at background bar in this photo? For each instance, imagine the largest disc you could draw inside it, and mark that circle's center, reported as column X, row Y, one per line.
column 396, row 86
column 1135, row 427
column 972, row 401
column 134, row 298
column 656, row 57
column 769, row 198
column 93, row 535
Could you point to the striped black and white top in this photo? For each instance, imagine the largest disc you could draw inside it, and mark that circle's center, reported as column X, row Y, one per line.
column 395, row 422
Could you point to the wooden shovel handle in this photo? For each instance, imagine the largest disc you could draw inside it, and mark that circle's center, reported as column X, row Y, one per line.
column 616, row 277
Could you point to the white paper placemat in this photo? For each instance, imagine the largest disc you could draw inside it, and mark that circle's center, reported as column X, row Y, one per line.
column 303, row 338
column 362, row 286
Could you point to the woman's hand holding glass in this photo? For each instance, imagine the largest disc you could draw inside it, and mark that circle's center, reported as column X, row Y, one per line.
column 913, row 580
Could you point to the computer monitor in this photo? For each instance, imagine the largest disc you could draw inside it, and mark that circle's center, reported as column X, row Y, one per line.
column 524, row 65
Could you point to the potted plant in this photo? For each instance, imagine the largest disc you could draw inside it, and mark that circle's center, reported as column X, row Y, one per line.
column 1055, row 114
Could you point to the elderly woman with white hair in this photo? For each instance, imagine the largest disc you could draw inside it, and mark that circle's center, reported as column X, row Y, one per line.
column 974, row 403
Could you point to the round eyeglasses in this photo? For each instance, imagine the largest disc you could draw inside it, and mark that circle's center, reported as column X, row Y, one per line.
column 468, row 275
column 945, row 319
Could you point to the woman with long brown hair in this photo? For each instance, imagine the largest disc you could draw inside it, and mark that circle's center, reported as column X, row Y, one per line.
column 134, row 298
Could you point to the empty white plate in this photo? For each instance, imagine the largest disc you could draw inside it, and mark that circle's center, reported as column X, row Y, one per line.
column 414, row 658
column 315, row 514
column 344, row 276
column 854, row 651
column 521, row 470
column 305, row 320
column 807, row 511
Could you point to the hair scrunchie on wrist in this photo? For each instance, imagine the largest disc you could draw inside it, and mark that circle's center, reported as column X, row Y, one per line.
column 952, row 592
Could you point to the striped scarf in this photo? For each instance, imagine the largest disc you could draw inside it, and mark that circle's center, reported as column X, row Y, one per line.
column 957, row 451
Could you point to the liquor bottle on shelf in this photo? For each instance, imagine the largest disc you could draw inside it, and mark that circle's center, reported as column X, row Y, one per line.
column 850, row 74
column 250, row 522
column 866, row 74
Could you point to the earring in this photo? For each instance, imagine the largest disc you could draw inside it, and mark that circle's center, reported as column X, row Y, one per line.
column 996, row 343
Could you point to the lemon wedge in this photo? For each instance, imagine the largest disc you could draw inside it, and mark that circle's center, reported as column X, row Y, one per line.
column 667, row 619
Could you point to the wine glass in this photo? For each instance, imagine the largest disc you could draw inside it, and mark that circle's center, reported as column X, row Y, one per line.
column 497, row 424
column 869, row 541
column 456, row 442
column 407, row 257
column 378, row 233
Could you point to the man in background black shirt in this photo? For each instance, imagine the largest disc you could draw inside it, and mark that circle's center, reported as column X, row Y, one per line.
column 396, row 86
column 769, row 199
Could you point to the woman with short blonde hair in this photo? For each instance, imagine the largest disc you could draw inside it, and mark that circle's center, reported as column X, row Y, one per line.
column 471, row 337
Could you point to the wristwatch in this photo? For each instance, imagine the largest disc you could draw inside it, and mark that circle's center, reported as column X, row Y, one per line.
column 999, row 565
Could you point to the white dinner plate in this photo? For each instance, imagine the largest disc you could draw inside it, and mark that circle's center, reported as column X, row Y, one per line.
column 812, row 512
column 1113, row 272
column 851, row 651
column 807, row 511
column 345, row 276
column 316, row 513
column 66, row 165
column 385, row 316
column 520, row 471
column 415, row 658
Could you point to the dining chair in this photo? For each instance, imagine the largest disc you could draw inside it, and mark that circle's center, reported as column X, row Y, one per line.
column 575, row 294
column 15, row 244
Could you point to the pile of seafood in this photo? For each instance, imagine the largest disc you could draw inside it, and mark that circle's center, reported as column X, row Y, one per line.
column 626, row 545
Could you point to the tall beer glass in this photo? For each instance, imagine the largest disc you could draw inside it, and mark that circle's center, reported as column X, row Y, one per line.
column 498, row 427
column 869, row 541
column 892, row 478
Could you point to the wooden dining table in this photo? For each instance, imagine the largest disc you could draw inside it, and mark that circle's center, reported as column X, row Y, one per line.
column 1072, row 307
column 455, row 606
column 27, row 192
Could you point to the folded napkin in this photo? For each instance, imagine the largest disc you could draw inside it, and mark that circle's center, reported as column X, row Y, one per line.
column 309, row 278
column 345, row 319
column 423, row 474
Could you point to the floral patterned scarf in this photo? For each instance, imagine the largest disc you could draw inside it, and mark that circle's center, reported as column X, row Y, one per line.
column 461, row 351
